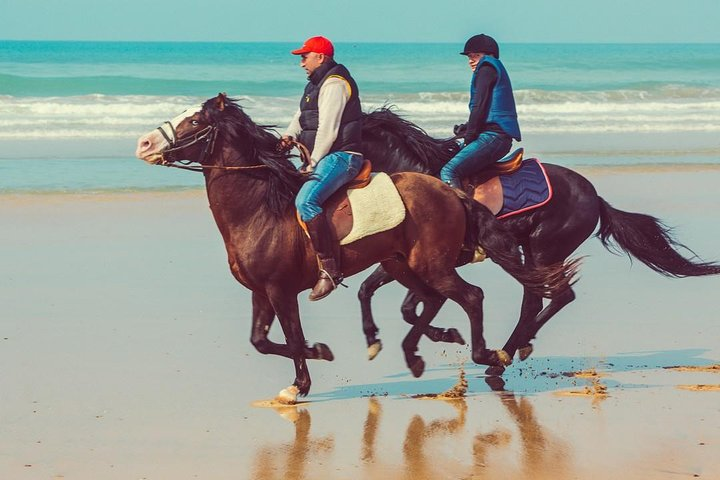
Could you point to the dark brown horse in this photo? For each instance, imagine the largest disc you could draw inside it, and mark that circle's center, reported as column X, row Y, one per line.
column 548, row 235
column 251, row 187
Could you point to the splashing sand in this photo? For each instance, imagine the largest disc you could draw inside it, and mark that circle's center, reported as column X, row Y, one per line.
column 596, row 390
column 457, row 391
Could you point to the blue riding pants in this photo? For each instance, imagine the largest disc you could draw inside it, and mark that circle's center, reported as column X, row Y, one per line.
column 332, row 172
column 489, row 147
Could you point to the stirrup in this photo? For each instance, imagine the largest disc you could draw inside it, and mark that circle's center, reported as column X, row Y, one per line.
column 325, row 285
column 332, row 280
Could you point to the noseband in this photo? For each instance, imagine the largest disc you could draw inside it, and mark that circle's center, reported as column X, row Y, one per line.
column 208, row 135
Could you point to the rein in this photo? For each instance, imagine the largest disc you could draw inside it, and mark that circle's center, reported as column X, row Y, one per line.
column 208, row 135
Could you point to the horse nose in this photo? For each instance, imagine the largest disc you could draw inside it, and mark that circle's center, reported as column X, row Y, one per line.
column 144, row 145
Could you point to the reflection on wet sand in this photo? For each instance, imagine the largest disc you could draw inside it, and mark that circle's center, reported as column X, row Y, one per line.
column 431, row 449
column 289, row 460
column 421, row 463
column 370, row 430
column 541, row 455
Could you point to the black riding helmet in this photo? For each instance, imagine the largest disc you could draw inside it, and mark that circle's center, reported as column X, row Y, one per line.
column 481, row 44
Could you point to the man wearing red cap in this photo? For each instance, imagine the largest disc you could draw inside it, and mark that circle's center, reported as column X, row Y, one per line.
column 493, row 123
column 328, row 123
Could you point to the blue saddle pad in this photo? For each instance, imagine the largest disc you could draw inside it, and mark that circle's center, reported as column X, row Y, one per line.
column 527, row 188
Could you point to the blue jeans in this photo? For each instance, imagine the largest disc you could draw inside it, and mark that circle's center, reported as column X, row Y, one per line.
column 332, row 172
column 488, row 148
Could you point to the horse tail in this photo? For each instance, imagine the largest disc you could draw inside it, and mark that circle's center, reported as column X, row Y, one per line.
column 650, row 241
column 501, row 246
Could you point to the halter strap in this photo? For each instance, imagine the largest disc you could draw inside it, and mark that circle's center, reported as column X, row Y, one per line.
column 172, row 140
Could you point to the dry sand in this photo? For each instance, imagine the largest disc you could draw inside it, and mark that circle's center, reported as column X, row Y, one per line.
column 124, row 354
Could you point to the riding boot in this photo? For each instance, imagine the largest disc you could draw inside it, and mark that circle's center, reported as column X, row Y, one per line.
column 328, row 252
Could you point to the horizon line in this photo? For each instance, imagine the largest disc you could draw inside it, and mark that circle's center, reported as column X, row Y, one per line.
column 448, row 42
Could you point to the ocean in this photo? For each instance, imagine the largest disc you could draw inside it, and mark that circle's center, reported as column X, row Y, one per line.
column 70, row 112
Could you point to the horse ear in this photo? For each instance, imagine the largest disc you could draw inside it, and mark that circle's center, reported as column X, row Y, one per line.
column 221, row 101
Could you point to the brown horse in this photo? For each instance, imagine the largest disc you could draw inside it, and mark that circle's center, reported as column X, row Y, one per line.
column 251, row 187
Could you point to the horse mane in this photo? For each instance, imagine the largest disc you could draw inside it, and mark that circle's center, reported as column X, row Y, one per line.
column 428, row 154
column 258, row 142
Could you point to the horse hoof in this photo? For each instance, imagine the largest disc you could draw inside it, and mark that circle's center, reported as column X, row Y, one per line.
column 374, row 350
column 495, row 371
column 324, row 352
column 455, row 337
column 288, row 396
column 503, row 357
column 495, row 383
column 418, row 367
column 525, row 352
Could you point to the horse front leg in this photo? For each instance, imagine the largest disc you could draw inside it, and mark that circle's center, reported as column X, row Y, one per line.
column 288, row 313
column 286, row 308
column 263, row 317
column 376, row 280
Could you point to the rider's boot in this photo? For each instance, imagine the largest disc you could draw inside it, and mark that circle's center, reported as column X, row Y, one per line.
column 328, row 252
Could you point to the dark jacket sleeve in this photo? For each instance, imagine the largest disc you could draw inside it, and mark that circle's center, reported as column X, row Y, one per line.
column 484, row 83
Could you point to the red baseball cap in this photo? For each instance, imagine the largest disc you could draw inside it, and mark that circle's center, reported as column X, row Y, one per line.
column 317, row 45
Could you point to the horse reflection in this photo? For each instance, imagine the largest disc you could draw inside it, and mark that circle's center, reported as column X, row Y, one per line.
column 541, row 456
column 270, row 465
column 417, row 465
column 443, row 447
column 370, row 430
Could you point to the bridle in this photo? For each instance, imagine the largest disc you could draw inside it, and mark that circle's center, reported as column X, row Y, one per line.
column 207, row 135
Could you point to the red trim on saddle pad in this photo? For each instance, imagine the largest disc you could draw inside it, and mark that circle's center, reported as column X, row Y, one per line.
column 531, row 207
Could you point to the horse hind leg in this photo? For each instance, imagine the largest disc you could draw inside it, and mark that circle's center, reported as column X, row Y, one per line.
column 470, row 297
column 409, row 311
column 435, row 334
column 521, row 340
column 533, row 318
column 557, row 303
column 563, row 232
column 432, row 302
column 376, row 280
column 532, row 305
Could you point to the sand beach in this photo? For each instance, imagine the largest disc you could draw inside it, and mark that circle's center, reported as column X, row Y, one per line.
column 124, row 340
column 125, row 353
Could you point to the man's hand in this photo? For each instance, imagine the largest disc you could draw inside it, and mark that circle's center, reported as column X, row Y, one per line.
column 306, row 169
column 285, row 143
column 470, row 136
column 459, row 130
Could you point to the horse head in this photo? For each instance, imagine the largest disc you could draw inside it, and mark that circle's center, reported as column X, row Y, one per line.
column 199, row 134
column 189, row 136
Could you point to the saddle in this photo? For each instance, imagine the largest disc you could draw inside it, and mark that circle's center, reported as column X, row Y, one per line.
column 368, row 204
column 511, row 186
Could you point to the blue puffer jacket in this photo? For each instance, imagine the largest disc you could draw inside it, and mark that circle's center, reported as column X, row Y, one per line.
column 502, row 107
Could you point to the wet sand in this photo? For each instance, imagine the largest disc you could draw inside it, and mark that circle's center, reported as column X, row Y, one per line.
column 125, row 354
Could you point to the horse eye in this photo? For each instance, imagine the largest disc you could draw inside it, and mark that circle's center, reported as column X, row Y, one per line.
column 195, row 123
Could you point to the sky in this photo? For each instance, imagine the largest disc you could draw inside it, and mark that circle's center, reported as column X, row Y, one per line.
column 533, row 21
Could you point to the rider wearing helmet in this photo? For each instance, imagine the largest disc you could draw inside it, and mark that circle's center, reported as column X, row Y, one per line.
column 492, row 125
